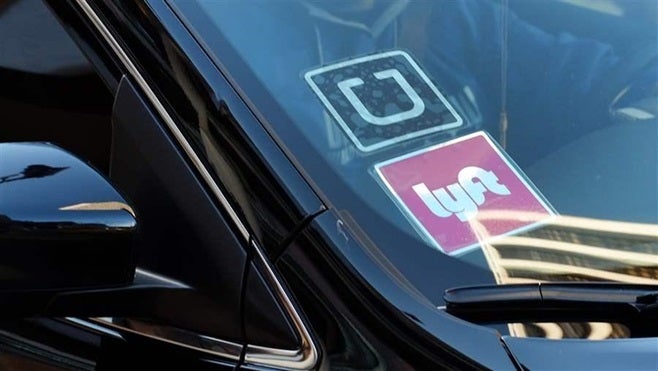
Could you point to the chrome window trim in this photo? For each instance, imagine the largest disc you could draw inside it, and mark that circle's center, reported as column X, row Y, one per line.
column 302, row 359
column 179, row 337
column 172, row 335
column 41, row 352
column 168, row 120
column 90, row 325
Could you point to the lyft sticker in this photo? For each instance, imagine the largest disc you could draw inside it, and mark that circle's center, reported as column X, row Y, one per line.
column 382, row 99
column 464, row 192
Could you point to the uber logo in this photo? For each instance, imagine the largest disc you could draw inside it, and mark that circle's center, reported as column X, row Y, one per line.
column 382, row 99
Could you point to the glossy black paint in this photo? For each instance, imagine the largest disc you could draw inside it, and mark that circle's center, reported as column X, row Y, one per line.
column 246, row 163
column 53, row 341
column 356, row 295
column 241, row 156
column 355, row 327
column 62, row 225
column 244, row 168
column 80, row 29
column 576, row 354
column 183, row 236
column 362, row 312
column 266, row 323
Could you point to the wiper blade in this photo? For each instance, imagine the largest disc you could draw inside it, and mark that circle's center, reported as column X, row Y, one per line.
column 634, row 305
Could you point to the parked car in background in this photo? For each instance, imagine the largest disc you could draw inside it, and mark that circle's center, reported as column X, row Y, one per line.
column 332, row 184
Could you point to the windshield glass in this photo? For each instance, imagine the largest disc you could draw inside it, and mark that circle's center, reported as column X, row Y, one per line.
column 509, row 141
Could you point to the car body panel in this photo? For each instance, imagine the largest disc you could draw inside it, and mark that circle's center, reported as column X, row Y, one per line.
column 183, row 236
column 549, row 354
column 361, row 301
column 283, row 278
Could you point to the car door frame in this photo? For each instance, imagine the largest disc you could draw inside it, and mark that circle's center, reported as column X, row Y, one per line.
column 119, row 60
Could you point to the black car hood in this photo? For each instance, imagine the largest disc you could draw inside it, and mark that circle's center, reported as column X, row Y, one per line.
column 577, row 354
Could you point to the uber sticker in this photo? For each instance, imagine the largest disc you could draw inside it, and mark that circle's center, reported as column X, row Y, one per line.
column 463, row 192
column 382, row 99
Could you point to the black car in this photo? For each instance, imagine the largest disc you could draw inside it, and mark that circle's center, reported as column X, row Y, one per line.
column 329, row 184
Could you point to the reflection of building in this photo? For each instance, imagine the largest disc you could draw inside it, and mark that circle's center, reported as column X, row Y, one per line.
column 575, row 249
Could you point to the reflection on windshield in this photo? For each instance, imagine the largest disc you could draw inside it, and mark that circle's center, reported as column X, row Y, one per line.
column 571, row 330
column 569, row 248
column 379, row 104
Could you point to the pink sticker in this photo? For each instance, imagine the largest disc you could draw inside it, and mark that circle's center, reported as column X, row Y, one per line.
column 463, row 192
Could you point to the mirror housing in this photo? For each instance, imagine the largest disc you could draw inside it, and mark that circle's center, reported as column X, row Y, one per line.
column 62, row 225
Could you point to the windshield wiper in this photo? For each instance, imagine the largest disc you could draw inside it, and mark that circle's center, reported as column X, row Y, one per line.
column 633, row 305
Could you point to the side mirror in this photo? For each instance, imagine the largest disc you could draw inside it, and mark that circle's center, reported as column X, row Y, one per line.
column 66, row 243
column 62, row 225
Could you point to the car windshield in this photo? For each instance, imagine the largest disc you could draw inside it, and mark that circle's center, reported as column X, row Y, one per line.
column 501, row 141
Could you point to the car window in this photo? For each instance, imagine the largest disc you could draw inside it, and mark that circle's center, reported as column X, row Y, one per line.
column 516, row 137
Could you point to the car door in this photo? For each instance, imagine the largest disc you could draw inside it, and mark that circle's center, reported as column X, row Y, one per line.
column 206, row 227
column 184, row 142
